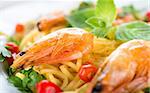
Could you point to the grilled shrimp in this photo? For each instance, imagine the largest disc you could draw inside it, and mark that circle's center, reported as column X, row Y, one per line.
column 127, row 69
column 59, row 46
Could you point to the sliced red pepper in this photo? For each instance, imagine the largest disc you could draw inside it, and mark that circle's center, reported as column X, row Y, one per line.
column 20, row 28
column 87, row 72
column 13, row 48
column 45, row 86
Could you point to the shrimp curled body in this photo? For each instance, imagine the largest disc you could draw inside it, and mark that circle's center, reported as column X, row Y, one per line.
column 127, row 69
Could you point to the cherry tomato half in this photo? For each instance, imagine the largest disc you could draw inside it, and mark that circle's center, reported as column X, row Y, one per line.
column 12, row 47
column 87, row 72
column 45, row 86
column 20, row 28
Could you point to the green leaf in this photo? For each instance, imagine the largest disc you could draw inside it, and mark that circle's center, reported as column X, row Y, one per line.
column 4, row 51
column 2, row 58
column 11, row 71
column 106, row 10
column 147, row 90
column 105, row 14
column 12, row 39
column 100, row 32
column 133, row 30
column 95, row 22
column 78, row 18
column 27, row 84
column 31, row 78
column 15, row 81
column 35, row 77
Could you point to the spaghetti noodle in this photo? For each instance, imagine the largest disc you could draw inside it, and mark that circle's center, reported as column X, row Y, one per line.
column 65, row 74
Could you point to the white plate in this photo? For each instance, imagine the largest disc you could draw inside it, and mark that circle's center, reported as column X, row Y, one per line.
column 12, row 12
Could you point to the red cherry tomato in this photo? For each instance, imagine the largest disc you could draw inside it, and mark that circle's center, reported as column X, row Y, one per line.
column 45, row 86
column 20, row 28
column 12, row 47
column 87, row 72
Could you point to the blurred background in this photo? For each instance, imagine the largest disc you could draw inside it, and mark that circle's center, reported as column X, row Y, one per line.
column 14, row 11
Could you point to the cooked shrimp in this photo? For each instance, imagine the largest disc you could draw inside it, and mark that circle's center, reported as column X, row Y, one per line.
column 56, row 20
column 46, row 25
column 59, row 46
column 127, row 69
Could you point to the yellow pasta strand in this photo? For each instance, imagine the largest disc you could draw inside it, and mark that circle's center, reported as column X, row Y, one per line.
column 104, row 46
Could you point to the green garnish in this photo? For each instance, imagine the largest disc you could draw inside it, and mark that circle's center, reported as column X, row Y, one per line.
column 27, row 84
column 10, row 71
column 4, row 52
column 12, row 39
column 105, row 14
column 147, row 90
column 133, row 30
column 78, row 16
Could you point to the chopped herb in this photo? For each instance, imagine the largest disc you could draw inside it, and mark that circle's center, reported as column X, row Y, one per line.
column 147, row 90
column 27, row 84
column 11, row 71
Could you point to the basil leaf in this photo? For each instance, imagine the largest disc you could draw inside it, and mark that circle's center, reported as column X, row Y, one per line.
column 95, row 22
column 105, row 14
column 133, row 30
column 100, row 32
column 106, row 10
column 78, row 18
